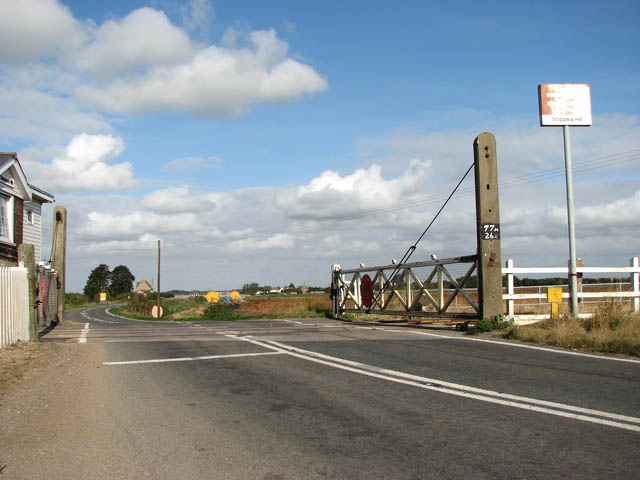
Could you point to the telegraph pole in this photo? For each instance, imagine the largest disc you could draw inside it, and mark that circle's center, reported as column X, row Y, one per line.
column 158, row 295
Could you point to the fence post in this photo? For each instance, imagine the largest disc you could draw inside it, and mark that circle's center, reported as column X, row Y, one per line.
column 510, row 290
column 335, row 290
column 579, row 265
column 26, row 256
column 407, row 280
column 635, row 285
column 60, row 255
column 488, row 226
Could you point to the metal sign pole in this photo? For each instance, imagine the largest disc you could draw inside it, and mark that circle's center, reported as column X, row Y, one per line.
column 573, row 279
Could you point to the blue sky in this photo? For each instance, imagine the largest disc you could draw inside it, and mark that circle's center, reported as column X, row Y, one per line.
column 236, row 132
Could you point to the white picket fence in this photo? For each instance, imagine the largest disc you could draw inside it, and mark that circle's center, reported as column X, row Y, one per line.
column 14, row 305
column 633, row 270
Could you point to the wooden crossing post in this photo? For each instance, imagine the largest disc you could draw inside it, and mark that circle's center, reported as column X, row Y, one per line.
column 488, row 226
column 60, row 255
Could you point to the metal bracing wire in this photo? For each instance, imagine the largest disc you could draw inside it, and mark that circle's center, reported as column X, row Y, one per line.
column 405, row 258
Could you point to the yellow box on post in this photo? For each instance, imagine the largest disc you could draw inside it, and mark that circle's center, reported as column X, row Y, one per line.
column 554, row 297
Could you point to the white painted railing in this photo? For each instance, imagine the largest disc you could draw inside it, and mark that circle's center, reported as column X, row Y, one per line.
column 633, row 270
column 14, row 305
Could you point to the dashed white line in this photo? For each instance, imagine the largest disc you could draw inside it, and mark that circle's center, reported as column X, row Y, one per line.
column 83, row 334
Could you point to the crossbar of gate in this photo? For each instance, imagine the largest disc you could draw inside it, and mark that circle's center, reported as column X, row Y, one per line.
column 405, row 293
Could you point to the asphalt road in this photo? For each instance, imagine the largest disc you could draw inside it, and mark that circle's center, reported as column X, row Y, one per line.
column 288, row 399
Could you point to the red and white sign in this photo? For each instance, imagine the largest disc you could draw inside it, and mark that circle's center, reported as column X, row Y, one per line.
column 564, row 104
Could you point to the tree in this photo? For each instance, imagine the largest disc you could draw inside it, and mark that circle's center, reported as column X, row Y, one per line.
column 250, row 288
column 121, row 280
column 98, row 281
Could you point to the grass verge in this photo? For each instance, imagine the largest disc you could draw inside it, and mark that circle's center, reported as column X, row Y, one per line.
column 196, row 309
column 610, row 330
column 18, row 360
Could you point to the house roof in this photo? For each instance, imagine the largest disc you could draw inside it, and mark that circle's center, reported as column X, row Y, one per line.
column 9, row 163
column 143, row 285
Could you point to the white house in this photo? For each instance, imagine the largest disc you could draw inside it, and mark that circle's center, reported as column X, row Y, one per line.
column 20, row 210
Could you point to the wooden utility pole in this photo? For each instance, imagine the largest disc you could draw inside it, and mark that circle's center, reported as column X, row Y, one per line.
column 59, row 259
column 488, row 226
column 158, row 293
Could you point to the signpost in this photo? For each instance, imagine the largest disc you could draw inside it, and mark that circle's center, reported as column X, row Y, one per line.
column 567, row 104
column 554, row 297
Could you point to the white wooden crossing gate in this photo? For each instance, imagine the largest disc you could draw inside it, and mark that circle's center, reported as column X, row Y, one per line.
column 428, row 289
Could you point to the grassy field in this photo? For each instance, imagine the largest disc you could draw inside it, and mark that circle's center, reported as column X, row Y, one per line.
column 610, row 330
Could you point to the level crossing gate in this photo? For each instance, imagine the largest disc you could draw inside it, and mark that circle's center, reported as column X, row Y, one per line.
column 417, row 289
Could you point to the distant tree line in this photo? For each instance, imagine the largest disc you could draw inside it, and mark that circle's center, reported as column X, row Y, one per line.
column 253, row 288
column 115, row 282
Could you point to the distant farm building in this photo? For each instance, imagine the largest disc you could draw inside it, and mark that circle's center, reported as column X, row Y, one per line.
column 143, row 287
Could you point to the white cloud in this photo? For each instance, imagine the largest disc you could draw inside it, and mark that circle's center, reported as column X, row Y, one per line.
column 216, row 81
column 35, row 107
column 280, row 240
column 620, row 213
column 197, row 15
column 143, row 39
column 188, row 163
column 34, row 29
column 83, row 166
column 178, row 199
column 332, row 194
column 103, row 225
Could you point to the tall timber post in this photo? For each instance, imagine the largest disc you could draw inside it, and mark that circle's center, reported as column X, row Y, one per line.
column 488, row 226
column 60, row 255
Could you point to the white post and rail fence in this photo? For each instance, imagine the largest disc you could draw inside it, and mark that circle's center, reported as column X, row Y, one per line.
column 622, row 291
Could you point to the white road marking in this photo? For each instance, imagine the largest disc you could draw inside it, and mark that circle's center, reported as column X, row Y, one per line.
column 88, row 317
column 525, row 403
column 83, row 334
column 191, row 359
column 516, row 345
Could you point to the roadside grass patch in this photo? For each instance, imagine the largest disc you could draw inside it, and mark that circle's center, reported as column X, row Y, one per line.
column 221, row 312
column 610, row 330
column 316, row 306
column 490, row 324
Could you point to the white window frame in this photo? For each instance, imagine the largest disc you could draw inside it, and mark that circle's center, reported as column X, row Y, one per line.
column 7, row 211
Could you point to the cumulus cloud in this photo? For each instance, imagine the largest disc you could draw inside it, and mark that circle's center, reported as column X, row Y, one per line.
column 143, row 39
column 35, row 29
column 331, row 193
column 216, row 81
column 83, row 165
column 71, row 69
